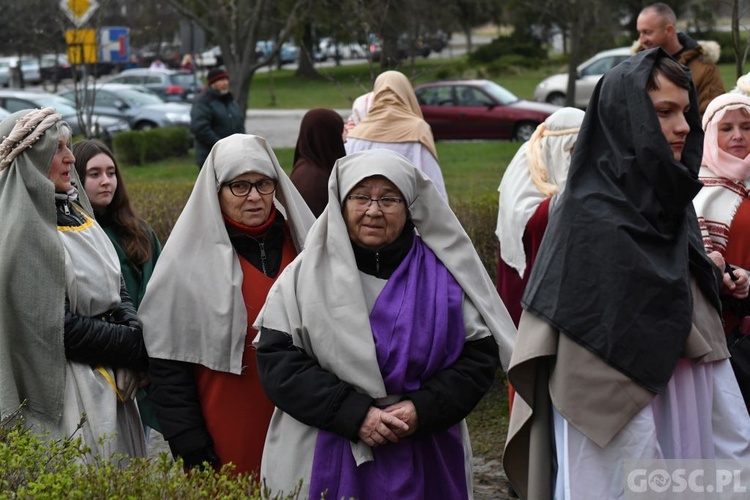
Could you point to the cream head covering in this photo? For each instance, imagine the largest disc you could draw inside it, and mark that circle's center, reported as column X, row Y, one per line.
column 319, row 299
column 719, row 161
column 395, row 115
column 32, row 267
column 193, row 310
column 538, row 170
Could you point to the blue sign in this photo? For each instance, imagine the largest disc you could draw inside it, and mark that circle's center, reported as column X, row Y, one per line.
column 114, row 44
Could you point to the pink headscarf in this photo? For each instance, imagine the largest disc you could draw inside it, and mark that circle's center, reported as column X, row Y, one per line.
column 719, row 161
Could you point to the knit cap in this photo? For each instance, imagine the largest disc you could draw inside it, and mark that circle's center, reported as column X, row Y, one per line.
column 216, row 74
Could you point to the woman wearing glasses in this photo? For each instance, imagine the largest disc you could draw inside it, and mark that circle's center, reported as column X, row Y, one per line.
column 243, row 224
column 377, row 342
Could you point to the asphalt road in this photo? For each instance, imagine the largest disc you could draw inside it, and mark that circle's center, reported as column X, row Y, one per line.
column 280, row 128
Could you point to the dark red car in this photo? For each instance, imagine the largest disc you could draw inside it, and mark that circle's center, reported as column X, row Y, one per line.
column 479, row 109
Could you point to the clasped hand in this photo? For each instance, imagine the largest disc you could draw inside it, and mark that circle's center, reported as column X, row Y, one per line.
column 738, row 287
column 389, row 424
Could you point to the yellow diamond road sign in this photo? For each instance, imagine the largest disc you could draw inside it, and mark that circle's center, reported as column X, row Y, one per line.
column 78, row 11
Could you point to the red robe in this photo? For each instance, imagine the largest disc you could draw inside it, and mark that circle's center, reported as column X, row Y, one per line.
column 510, row 285
column 236, row 410
column 737, row 253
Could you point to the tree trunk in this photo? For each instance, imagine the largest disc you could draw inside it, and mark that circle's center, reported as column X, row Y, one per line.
column 467, row 33
column 576, row 30
column 738, row 52
column 306, row 59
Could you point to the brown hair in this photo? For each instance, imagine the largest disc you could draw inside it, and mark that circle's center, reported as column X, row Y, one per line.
column 119, row 214
column 671, row 70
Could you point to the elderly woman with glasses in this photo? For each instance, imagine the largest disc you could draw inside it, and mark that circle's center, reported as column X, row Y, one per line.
column 377, row 341
column 243, row 224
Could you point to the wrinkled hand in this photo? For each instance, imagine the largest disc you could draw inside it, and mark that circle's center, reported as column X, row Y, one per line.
column 127, row 382
column 718, row 259
column 407, row 413
column 377, row 427
column 737, row 288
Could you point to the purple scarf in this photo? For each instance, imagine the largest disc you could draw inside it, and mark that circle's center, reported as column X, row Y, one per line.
column 417, row 324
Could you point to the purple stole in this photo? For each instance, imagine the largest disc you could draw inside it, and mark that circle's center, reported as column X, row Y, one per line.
column 417, row 324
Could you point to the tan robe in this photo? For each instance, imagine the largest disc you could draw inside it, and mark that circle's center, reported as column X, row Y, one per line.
column 600, row 402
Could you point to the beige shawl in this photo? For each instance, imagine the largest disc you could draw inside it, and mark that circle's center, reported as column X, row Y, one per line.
column 395, row 115
column 193, row 309
column 32, row 268
column 321, row 292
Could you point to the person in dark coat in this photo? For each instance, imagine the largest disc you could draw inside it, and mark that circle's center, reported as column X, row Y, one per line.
column 215, row 114
column 318, row 147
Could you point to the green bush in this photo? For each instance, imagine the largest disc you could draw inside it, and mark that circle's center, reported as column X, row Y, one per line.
column 141, row 147
column 527, row 50
column 34, row 466
column 479, row 218
column 160, row 203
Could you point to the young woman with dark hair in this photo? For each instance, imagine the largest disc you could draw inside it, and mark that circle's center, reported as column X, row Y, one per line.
column 134, row 240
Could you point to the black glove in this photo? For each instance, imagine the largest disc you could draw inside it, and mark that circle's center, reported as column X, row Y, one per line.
column 125, row 314
column 197, row 458
column 99, row 341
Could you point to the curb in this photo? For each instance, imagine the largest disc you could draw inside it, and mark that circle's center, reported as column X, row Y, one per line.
column 287, row 113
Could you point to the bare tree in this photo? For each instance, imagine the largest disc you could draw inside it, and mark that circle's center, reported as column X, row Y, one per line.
column 236, row 26
column 740, row 47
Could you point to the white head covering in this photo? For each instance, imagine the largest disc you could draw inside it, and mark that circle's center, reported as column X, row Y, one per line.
column 319, row 299
column 538, row 171
column 193, row 309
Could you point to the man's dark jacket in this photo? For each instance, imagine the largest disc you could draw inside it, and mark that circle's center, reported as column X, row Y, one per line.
column 213, row 117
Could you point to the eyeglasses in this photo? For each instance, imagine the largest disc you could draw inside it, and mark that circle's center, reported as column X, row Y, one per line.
column 387, row 203
column 243, row 188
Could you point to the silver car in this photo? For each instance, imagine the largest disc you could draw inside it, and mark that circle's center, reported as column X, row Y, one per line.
column 140, row 107
column 553, row 89
column 16, row 100
column 171, row 85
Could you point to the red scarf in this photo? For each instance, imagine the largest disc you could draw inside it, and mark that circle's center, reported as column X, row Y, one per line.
column 254, row 231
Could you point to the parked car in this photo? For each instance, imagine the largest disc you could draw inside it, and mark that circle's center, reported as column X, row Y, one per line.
column 140, row 107
column 56, row 67
column 374, row 47
column 29, row 66
column 102, row 126
column 209, row 58
column 332, row 49
column 406, row 46
column 553, row 89
column 4, row 113
column 171, row 85
column 287, row 54
column 479, row 109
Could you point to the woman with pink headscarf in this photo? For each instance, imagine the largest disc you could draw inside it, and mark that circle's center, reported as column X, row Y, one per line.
column 723, row 208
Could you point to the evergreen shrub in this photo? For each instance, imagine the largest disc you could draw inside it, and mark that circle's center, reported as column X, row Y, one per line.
column 36, row 466
column 137, row 147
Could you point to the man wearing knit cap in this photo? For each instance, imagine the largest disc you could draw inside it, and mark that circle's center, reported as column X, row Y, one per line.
column 215, row 115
